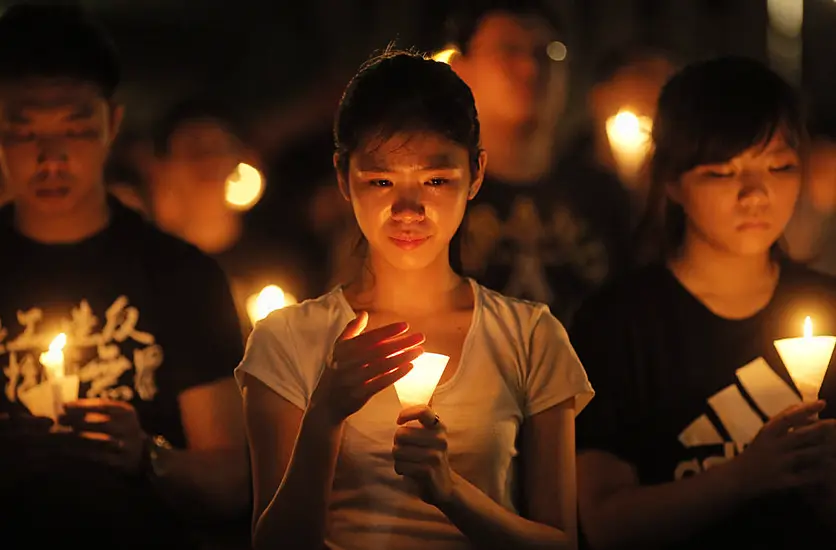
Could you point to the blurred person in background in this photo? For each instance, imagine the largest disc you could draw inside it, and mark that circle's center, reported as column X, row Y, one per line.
column 128, row 171
column 527, row 234
column 626, row 80
column 811, row 234
column 197, row 150
column 155, row 437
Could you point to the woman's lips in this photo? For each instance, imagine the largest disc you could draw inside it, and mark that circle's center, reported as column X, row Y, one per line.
column 410, row 242
column 753, row 225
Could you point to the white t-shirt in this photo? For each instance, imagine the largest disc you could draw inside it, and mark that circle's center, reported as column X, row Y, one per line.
column 516, row 362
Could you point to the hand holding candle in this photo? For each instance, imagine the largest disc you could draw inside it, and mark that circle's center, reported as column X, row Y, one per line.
column 806, row 360
column 420, row 453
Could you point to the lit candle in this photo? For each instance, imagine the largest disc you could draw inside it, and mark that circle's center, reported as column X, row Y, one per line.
column 807, row 359
column 244, row 187
column 629, row 137
column 53, row 362
column 445, row 55
column 267, row 301
column 417, row 387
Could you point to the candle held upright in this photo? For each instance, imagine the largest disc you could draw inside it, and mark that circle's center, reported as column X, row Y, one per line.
column 629, row 137
column 806, row 360
column 53, row 362
column 417, row 387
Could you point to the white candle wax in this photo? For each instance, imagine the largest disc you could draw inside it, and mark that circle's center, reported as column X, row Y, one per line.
column 806, row 360
column 417, row 387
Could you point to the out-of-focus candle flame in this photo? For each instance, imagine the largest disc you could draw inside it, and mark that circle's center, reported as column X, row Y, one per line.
column 556, row 51
column 53, row 358
column 417, row 387
column 807, row 359
column 267, row 301
column 244, row 187
column 445, row 55
column 629, row 136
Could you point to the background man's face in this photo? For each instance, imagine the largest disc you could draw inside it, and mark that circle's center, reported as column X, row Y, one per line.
column 509, row 71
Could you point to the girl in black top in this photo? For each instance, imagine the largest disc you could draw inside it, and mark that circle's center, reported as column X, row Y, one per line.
column 697, row 437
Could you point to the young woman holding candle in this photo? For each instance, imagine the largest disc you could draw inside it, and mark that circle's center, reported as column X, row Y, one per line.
column 697, row 438
column 334, row 460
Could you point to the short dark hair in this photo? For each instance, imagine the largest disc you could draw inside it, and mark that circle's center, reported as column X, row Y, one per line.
column 464, row 19
column 187, row 111
column 402, row 91
column 709, row 113
column 45, row 40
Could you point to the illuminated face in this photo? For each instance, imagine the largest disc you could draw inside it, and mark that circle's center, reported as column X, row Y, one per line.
column 508, row 69
column 56, row 135
column 409, row 195
column 742, row 206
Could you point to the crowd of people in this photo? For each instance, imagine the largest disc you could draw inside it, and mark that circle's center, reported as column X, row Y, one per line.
column 611, row 378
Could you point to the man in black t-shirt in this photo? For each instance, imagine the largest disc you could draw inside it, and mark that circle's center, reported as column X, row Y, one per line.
column 674, row 407
column 529, row 233
column 149, row 328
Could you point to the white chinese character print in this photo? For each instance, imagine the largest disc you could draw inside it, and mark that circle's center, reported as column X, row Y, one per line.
column 99, row 358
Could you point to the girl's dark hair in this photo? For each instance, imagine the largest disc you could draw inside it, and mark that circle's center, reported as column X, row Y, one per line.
column 709, row 113
column 402, row 91
column 405, row 92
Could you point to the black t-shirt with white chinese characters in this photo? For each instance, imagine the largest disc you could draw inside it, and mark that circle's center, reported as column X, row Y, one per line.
column 552, row 241
column 146, row 317
column 679, row 389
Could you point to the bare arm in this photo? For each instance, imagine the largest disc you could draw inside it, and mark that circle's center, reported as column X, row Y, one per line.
column 293, row 456
column 212, row 472
column 617, row 512
column 549, row 462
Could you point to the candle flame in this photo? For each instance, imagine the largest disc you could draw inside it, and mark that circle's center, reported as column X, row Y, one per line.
column 53, row 358
column 630, row 140
column 267, row 301
column 808, row 328
column 445, row 55
column 627, row 127
column 60, row 341
column 244, row 187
